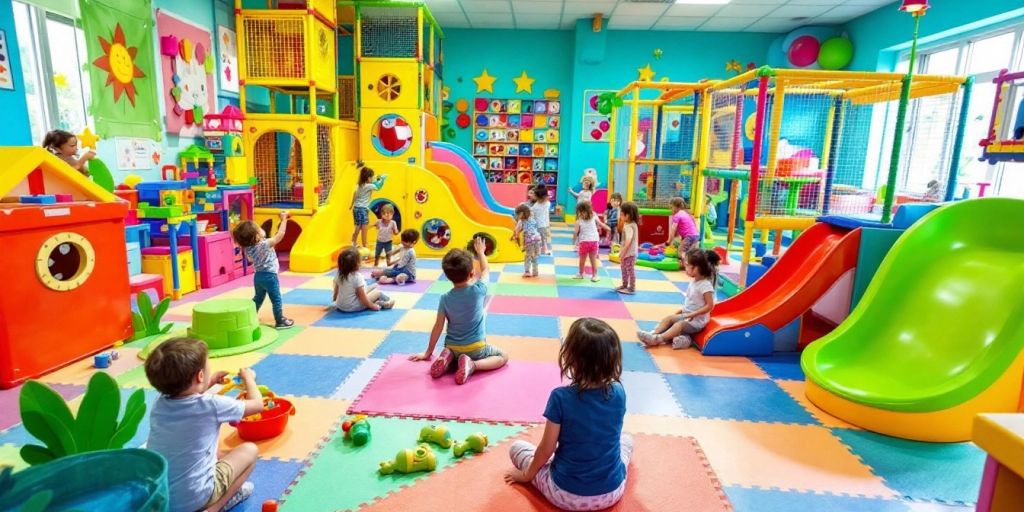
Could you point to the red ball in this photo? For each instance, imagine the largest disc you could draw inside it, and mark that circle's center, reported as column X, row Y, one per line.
column 804, row 51
column 462, row 121
column 596, row 134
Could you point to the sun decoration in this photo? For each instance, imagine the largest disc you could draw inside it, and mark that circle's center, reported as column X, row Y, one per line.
column 118, row 60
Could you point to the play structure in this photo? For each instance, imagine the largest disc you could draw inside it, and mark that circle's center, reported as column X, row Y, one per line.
column 953, row 266
column 1005, row 140
column 1002, row 484
column 304, row 151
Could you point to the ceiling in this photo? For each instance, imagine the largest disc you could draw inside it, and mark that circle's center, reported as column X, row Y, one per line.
column 736, row 16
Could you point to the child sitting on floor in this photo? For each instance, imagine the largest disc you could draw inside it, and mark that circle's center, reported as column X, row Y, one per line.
column 581, row 461
column 404, row 270
column 351, row 293
column 702, row 267
column 462, row 308
column 184, row 424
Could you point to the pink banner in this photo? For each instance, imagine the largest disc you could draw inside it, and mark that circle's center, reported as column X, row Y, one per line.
column 187, row 65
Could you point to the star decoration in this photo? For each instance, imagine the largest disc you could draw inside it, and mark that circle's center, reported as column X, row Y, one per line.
column 484, row 82
column 60, row 80
column 646, row 73
column 524, row 83
column 87, row 139
column 733, row 65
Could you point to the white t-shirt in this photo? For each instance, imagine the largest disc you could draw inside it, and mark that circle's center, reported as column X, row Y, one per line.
column 629, row 232
column 588, row 230
column 695, row 300
column 184, row 431
column 584, row 195
column 347, row 298
column 541, row 213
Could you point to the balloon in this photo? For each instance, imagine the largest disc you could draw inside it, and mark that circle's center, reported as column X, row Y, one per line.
column 596, row 134
column 804, row 51
column 819, row 33
column 593, row 102
column 776, row 54
column 836, row 53
column 604, row 126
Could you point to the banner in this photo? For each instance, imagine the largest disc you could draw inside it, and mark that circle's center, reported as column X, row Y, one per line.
column 187, row 64
column 227, row 42
column 119, row 46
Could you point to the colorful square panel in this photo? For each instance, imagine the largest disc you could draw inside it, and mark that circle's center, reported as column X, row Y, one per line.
column 558, row 306
column 692, row 362
column 331, row 341
column 767, row 500
column 384, row 319
column 270, row 478
column 781, row 365
column 405, row 343
column 522, row 325
column 523, row 348
column 308, row 297
column 298, row 375
column 313, row 419
column 648, row 393
column 636, row 358
column 736, row 399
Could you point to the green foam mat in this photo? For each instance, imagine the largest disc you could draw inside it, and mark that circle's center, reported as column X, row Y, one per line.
column 342, row 476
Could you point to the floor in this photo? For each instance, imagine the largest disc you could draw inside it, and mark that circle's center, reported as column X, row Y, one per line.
column 712, row 433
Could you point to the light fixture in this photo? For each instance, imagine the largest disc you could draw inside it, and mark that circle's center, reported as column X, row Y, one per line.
column 703, row 2
column 915, row 7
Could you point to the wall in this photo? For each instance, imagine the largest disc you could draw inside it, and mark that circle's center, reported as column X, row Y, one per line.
column 14, row 130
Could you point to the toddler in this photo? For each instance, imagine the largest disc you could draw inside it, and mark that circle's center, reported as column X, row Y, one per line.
column 526, row 225
column 462, row 308
column 628, row 250
column 581, row 461
column 185, row 421
column 586, row 188
column 611, row 216
column 682, row 226
column 351, row 293
column 541, row 212
column 65, row 146
column 361, row 201
column 387, row 228
column 702, row 267
column 260, row 251
column 404, row 270
column 934, row 192
column 586, row 237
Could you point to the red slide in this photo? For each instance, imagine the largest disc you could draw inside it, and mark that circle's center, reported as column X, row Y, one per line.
column 747, row 324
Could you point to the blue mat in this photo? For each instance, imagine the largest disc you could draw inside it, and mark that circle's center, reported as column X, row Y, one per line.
column 428, row 301
column 777, row 501
column 270, row 478
column 299, row 375
column 647, row 393
column 587, row 292
column 655, row 297
column 405, row 342
column 307, row 296
column 523, row 325
column 636, row 358
column 737, row 399
column 781, row 365
column 385, row 319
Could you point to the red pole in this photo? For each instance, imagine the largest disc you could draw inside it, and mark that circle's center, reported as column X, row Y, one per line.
column 755, row 163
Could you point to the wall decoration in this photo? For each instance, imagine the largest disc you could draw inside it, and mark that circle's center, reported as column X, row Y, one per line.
column 524, row 83
column 6, row 79
column 658, row 53
column 596, row 126
column 133, row 153
column 227, row 64
column 87, row 139
column 734, row 66
column 436, row 233
column 646, row 73
column 391, row 135
column 187, row 69
column 484, row 82
column 516, row 140
column 119, row 49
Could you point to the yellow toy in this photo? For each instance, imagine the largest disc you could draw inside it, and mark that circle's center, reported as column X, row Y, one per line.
column 437, row 434
column 131, row 180
column 410, row 460
column 474, row 443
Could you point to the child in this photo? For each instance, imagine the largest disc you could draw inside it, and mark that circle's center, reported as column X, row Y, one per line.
column 65, row 146
column 586, row 237
column 587, row 187
column 350, row 291
column 711, row 214
column 702, row 267
column 386, row 230
column 463, row 309
column 581, row 461
column 532, row 241
column 404, row 270
column 261, row 252
column 934, row 193
column 682, row 225
column 361, row 201
column 611, row 216
column 184, row 424
column 628, row 251
column 541, row 212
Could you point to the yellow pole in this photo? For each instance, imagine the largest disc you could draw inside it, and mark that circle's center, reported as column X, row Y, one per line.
column 701, row 150
column 634, row 126
column 826, row 149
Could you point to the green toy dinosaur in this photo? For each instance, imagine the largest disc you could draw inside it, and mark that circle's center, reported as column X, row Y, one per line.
column 410, row 460
column 474, row 443
column 437, row 434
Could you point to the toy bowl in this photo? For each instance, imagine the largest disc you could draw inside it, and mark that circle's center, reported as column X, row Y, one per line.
column 270, row 424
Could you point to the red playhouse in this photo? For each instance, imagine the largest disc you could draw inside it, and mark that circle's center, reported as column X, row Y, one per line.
column 65, row 270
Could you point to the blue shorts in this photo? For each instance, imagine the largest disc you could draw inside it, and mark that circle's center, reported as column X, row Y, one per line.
column 361, row 215
column 394, row 272
column 382, row 248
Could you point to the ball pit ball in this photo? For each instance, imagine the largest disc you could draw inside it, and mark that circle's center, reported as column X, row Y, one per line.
column 596, row 134
column 836, row 53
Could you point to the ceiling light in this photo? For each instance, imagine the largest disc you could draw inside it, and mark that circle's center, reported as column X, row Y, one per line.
column 703, row 2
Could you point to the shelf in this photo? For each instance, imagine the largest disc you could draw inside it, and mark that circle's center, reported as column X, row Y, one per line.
column 517, row 140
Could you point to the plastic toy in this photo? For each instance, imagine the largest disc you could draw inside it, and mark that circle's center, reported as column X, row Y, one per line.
column 1002, row 483
column 101, row 360
column 146, row 321
column 474, row 443
column 264, row 425
column 227, row 326
column 269, row 506
column 357, row 430
column 437, row 434
column 410, row 460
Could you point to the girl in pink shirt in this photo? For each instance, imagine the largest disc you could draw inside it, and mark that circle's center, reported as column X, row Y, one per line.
column 682, row 226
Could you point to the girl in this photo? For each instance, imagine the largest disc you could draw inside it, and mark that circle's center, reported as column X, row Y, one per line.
column 387, row 229
column 65, row 146
column 611, row 216
column 586, row 237
column 540, row 210
column 350, row 291
column 361, row 201
column 584, row 426
column 628, row 215
column 587, row 184
column 532, row 242
column 702, row 267
column 682, row 226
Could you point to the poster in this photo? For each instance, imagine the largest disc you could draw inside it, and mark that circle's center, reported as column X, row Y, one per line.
column 187, row 65
column 122, row 74
column 133, row 153
column 596, row 126
column 227, row 64
column 6, row 79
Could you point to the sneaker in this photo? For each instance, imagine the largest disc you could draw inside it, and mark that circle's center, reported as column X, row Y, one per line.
column 649, row 339
column 682, row 341
column 387, row 304
column 595, row 279
column 466, row 368
column 578, row 276
column 243, row 494
column 441, row 364
column 285, row 324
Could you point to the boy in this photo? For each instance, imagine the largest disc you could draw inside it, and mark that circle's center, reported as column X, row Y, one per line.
column 463, row 309
column 184, row 424
column 261, row 252
column 387, row 228
column 611, row 216
column 404, row 270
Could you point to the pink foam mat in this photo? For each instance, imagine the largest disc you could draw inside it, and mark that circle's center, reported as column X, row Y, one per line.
column 515, row 393
column 548, row 306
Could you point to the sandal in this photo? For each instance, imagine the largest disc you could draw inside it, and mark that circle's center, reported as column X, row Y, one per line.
column 578, row 276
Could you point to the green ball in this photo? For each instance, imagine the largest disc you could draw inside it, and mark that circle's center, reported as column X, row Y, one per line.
column 836, row 53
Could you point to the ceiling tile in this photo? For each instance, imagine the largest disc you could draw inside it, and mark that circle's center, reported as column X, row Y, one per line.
column 632, row 22
column 588, row 8
column 537, row 21
column 757, row 2
column 444, row 6
column 692, row 10
column 746, row 11
column 849, row 11
column 534, row 7
column 568, row 23
column 625, row 9
column 490, row 20
column 818, row 2
column 800, row 11
column 489, row 6
column 679, row 22
column 773, row 25
column 719, row 23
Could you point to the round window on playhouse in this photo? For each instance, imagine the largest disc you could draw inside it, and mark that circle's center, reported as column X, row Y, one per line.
column 65, row 261
column 391, row 135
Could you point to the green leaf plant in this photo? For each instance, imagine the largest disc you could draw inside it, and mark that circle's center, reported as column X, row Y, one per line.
column 146, row 321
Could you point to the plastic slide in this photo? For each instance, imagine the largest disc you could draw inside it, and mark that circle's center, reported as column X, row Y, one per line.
column 466, row 199
column 473, row 175
column 749, row 323
column 330, row 228
column 939, row 333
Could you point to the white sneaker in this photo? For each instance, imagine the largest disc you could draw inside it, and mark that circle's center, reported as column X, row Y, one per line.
column 648, row 339
column 243, row 494
column 682, row 341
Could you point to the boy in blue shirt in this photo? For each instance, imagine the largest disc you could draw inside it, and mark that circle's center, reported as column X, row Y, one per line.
column 463, row 310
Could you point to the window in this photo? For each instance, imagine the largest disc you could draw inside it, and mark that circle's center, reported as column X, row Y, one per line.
column 56, row 79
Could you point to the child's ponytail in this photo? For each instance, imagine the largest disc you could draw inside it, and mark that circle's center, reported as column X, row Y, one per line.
column 706, row 263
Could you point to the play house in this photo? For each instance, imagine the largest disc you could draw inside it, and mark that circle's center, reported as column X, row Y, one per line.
column 64, row 252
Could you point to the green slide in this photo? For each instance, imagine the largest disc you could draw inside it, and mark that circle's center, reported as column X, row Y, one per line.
column 942, row 320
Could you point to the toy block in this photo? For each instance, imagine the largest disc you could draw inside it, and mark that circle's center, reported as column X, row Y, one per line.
column 39, row 199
